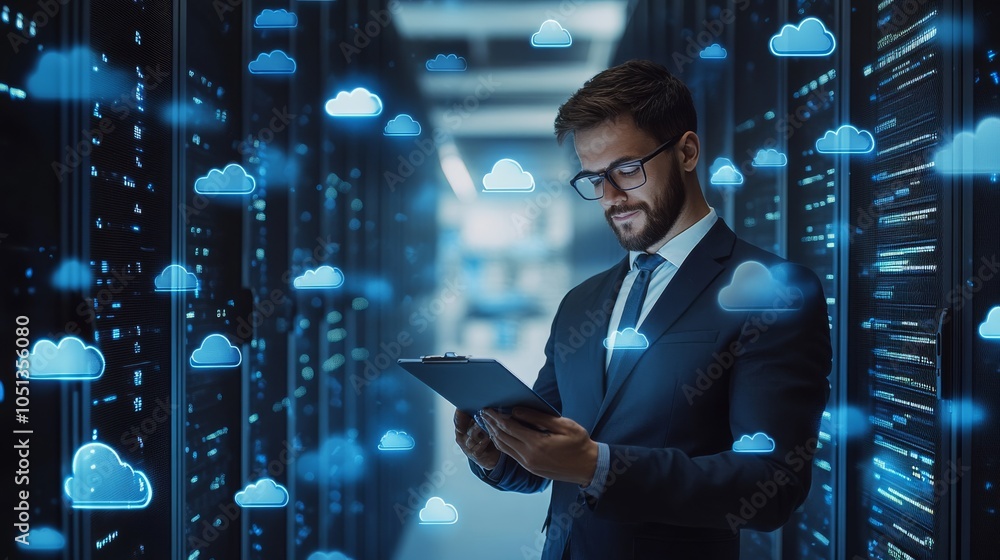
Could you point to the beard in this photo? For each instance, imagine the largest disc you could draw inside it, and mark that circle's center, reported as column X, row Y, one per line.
column 660, row 218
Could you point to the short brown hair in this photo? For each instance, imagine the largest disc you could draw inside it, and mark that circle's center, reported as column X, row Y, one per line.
column 659, row 103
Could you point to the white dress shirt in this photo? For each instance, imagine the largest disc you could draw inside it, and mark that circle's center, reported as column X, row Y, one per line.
column 675, row 251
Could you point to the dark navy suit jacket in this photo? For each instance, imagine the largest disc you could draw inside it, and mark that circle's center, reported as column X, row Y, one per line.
column 674, row 410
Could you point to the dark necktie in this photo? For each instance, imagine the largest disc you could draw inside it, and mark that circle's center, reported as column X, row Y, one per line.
column 646, row 264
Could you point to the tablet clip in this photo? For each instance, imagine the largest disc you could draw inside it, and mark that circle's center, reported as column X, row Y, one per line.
column 448, row 357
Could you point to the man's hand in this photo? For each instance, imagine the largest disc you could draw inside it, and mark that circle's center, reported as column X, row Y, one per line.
column 475, row 443
column 565, row 453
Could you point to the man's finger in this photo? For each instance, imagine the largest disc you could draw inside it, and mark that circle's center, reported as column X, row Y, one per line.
column 515, row 428
column 462, row 419
column 538, row 418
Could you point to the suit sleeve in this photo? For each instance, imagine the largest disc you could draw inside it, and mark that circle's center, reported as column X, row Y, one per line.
column 777, row 385
column 509, row 475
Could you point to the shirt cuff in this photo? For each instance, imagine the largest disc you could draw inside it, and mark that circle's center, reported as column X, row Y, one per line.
column 496, row 473
column 596, row 485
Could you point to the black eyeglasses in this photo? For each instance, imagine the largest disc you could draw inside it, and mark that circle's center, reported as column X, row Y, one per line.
column 625, row 176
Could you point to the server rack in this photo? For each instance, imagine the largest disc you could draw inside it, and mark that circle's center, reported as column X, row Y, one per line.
column 900, row 264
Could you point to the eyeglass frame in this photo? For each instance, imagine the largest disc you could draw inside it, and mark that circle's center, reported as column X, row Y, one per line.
column 642, row 165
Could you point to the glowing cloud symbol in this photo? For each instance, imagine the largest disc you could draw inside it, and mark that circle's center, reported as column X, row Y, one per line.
column 101, row 480
column 508, row 176
column 846, row 140
column 276, row 19
column 757, row 443
column 627, row 339
column 396, row 441
column 754, row 288
column 449, row 63
column 335, row 555
column 809, row 38
column 359, row 102
column 713, row 51
column 70, row 360
column 274, row 62
column 770, row 158
column 402, row 125
column 233, row 179
column 551, row 34
column 990, row 328
column 323, row 277
column 437, row 512
column 43, row 538
column 265, row 493
column 216, row 352
column 972, row 152
column 175, row 278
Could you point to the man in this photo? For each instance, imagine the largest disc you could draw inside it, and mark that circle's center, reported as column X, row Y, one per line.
column 693, row 409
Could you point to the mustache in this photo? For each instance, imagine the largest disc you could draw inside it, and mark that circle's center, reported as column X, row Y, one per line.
column 625, row 209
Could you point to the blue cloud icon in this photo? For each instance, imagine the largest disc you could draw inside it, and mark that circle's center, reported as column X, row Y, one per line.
column 359, row 102
column 809, row 38
column 551, row 34
column 263, row 493
column 449, row 63
column 770, row 158
column 216, row 352
column 323, row 277
column 101, row 480
column 274, row 62
column 70, row 360
column 175, row 278
column 233, row 179
column 437, row 512
column 972, row 152
column 726, row 175
column 72, row 275
column 627, row 339
column 276, row 19
column 990, row 328
column 396, row 441
column 402, row 125
column 43, row 538
column 508, row 176
column 335, row 555
column 713, row 51
column 719, row 163
column 846, row 140
column 754, row 288
column 757, row 443
column 73, row 74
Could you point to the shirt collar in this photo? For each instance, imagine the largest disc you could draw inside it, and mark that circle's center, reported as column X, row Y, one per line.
column 678, row 248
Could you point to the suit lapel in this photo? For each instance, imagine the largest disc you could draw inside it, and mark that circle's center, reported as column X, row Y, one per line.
column 699, row 269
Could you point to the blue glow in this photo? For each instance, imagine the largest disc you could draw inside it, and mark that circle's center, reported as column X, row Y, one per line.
column 754, row 288
column 216, row 352
column 757, row 443
column 322, row 277
column 446, row 63
column 551, row 34
column 101, row 480
column 438, row 512
column 508, row 176
column 770, row 158
column 809, row 38
column 359, row 102
column 71, row 359
column 265, row 493
column 396, row 441
column 972, row 152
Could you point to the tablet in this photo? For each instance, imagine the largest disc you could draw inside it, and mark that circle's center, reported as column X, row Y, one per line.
column 472, row 384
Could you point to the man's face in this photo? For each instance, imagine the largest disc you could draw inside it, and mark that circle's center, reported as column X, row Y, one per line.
column 639, row 217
